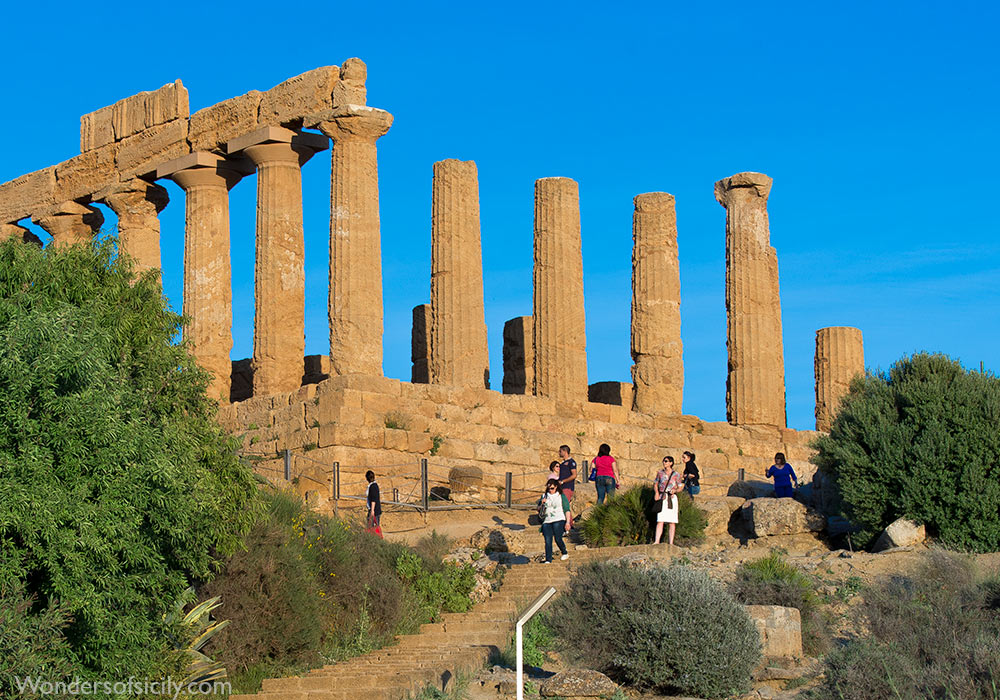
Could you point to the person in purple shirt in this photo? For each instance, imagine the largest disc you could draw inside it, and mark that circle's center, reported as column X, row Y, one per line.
column 783, row 475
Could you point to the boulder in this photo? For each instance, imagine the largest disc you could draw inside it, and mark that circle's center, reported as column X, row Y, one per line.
column 463, row 479
column 781, row 516
column 579, row 683
column 751, row 489
column 901, row 533
column 718, row 511
column 780, row 629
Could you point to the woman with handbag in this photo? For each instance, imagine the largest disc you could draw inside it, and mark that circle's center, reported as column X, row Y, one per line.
column 373, row 499
column 666, row 486
column 553, row 510
column 606, row 473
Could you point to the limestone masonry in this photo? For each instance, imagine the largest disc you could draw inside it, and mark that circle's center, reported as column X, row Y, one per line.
column 339, row 404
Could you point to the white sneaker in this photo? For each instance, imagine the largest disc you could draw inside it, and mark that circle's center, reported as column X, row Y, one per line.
column 564, row 557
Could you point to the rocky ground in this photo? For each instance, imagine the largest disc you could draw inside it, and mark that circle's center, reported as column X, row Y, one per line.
column 511, row 537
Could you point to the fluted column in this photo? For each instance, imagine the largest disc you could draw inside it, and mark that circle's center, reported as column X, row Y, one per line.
column 279, row 343
column 755, row 388
column 658, row 363
column 560, row 336
column 458, row 351
column 137, row 205
column 840, row 356
column 355, row 304
column 208, row 294
column 71, row 223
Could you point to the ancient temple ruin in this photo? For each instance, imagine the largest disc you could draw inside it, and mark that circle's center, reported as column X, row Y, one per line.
column 127, row 147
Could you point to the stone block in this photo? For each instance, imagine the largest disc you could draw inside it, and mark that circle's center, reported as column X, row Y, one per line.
column 378, row 403
column 454, row 448
column 140, row 154
column 132, row 115
column 255, row 412
column 701, row 442
column 309, row 93
column 418, row 442
column 350, row 89
column 780, row 629
column 214, row 126
column 614, row 393
column 351, row 435
column 781, row 516
column 316, row 369
column 396, row 440
column 27, row 195
column 83, row 175
column 290, row 417
column 366, row 382
column 306, row 393
column 718, row 513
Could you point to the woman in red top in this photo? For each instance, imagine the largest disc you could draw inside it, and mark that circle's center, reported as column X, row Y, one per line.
column 607, row 473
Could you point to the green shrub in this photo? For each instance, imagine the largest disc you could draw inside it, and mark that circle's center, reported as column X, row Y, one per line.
column 920, row 442
column 117, row 486
column 308, row 588
column 31, row 641
column 672, row 630
column 772, row 580
column 629, row 518
column 433, row 548
column 537, row 638
column 933, row 634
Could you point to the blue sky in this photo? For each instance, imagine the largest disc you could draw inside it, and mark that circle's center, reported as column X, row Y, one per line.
column 877, row 122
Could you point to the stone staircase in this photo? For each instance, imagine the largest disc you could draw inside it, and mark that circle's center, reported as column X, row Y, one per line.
column 460, row 643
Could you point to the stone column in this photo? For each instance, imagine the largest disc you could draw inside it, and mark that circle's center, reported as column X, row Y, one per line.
column 279, row 342
column 658, row 369
column 208, row 293
column 355, row 304
column 518, row 356
column 70, row 223
column 137, row 205
column 755, row 388
column 560, row 336
column 458, row 350
column 420, row 343
column 840, row 356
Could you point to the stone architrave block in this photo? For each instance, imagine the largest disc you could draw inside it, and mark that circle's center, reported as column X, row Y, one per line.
column 133, row 115
column 139, row 154
column 286, row 103
column 83, row 175
column 27, row 195
column 214, row 126
column 780, row 630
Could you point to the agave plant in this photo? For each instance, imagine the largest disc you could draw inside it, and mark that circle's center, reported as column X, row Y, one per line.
column 198, row 630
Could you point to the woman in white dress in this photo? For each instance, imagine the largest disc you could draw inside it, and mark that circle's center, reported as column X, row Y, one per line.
column 666, row 486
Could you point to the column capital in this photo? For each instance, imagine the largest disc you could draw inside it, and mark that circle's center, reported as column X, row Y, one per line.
column 134, row 197
column 278, row 144
column 68, row 218
column 202, row 168
column 352, row 122
column 757, row 184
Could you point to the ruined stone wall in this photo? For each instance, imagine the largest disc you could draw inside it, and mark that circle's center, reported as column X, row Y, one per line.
column 344, row 419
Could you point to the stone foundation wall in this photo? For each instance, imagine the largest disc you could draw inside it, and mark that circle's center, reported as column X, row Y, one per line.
column 344, row 419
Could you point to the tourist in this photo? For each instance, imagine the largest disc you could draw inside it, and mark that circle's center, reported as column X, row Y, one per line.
column 666, row 486
column 553, row 509
column 374, row 500
column 783, row 475
column 692, row 477
column 607, row 480
column 567, row 477
column 553, row 470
